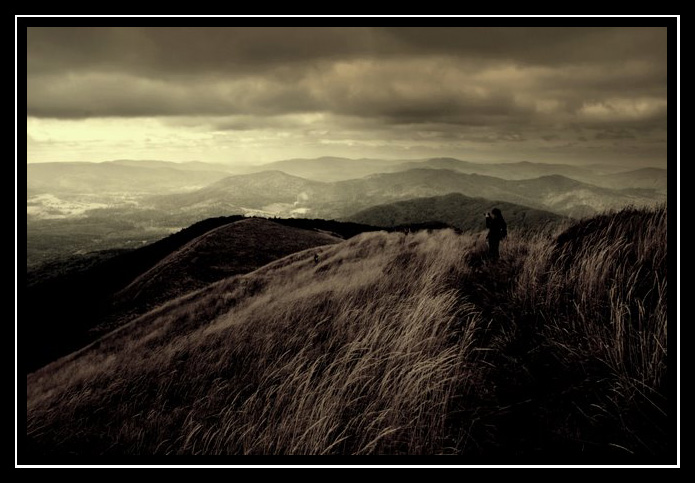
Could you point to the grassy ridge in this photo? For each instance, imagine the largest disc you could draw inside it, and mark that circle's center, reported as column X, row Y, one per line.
column 392, row 344
column 231, row 249
column 80, row 292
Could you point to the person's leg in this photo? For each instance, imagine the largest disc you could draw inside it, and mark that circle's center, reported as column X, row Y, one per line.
column 494, row 248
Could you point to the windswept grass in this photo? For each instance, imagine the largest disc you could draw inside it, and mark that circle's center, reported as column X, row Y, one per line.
column 392, row 343
column 597, row 294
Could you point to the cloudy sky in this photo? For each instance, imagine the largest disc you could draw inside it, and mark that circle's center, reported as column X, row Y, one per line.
column 253, row 95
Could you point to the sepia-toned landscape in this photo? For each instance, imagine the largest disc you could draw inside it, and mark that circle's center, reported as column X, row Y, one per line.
column 222, row 266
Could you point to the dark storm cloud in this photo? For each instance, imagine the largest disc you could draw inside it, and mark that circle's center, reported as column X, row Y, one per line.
column 162, row 51
column 394, row 91
column 616, row 133
column 539, row 46
column 502, row 78
column 122, row 95
column 217, row 49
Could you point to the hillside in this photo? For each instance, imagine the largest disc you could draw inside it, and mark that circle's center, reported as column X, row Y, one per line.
column 231, row 249
column 457, row 210
column 264, row 193
column 80, row 290
column 392, row 344
column 131, row 263
column 645, row 178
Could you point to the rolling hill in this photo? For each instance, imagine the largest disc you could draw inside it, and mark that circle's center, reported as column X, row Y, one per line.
column 393, row 344
column 231, row 249
column 456, row 210
column 81, row 291
column 268, row 192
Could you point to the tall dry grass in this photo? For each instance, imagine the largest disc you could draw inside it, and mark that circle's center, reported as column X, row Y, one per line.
column 596, row 296
column 601, row 289
column 392, row 344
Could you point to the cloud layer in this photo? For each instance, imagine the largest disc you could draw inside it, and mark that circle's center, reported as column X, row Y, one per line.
column 436, row 88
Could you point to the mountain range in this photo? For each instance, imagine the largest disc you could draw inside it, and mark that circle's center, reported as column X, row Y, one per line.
column 77, row 208
column 277, row 193
column 330, row 168
column 340, row 169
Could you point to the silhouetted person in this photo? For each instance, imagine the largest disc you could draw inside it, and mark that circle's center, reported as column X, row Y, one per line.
column 497, row 230
column 316, row 258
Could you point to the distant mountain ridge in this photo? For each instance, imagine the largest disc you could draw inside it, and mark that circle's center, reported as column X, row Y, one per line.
column 119, row 174
column 330, row 168
column 184, row 165
column 341, row 169
column 275, row 192
column 645, row 178
column 75, row 208
column 512, row 170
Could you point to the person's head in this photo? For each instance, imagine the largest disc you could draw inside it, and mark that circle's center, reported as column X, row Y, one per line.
column 496, row 212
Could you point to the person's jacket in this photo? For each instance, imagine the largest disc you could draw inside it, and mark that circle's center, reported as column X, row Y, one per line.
column 497, row 228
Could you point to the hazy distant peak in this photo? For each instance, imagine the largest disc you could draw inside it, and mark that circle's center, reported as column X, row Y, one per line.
column 649, row 170
column 559, row 178
column 269, row 172
column 414, row 172
column 268, row 175
column 321, row 159
column 553, row 182
column 448, row 160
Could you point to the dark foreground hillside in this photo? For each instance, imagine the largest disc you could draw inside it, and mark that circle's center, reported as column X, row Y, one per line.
column 67, row 305
column 391, row 344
